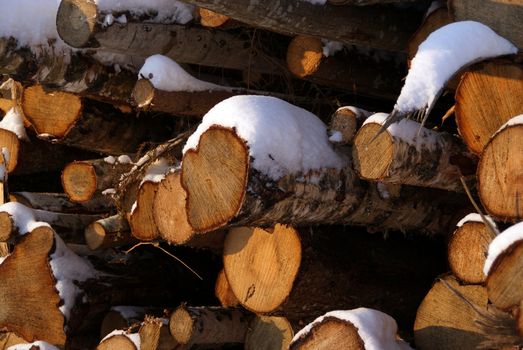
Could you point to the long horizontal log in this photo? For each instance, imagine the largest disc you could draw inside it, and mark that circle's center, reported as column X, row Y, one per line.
column 79, row 25
column 57, row 202
column 381, row 27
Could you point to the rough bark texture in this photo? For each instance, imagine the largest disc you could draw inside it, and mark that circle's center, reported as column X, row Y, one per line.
column 219, row 170
column 216, row 326
column 383, row 27
column 432, row 159
column 467, row 251
column 349, row 70
column 328, row 334
column 109, row 232
column 488, row 95
column 269, row 333
column 500, row 175
column 505, row 17
column 58, row 202
column 337, row 270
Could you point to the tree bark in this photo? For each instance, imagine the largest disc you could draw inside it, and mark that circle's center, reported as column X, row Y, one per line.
column 377, row 27
column 505, row 17
column 79, row 25
column 349, row 70
column 488, row 95
column 499, row 173
column 243, row 197
column 209, row 326
column 412, row 155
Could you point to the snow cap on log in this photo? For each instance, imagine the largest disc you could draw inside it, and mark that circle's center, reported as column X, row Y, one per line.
column 14, row 122
column 167, row 75
column 439, row 57
column 38, row 345
column 167, row 11
column 127, row 340
column 501, row 243
column 282, row 138
column 376, row 329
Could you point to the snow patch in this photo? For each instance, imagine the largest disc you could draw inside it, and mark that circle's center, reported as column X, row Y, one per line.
column 377, row 329
column 134, row 337
column 441, row 55
column 156, row 171
column 282, row 138
column 167, row 75
column 474, row 217
column 316, row 2
column 42, row 345
column 502, row 242
column 330, row 48
column 513, row 121
column 336, row 136
column 110, row 160
column 24, row 218
column 124, row 159
column 14, row 122
column 129, row 312
column 67, row 268
column 167, row 11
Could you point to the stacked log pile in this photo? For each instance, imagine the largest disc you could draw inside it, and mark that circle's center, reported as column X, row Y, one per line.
column 217, row 174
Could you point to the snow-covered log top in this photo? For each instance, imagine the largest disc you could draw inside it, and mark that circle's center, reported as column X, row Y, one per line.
column 14, row 122
column 440, row 56
column 282, row 138
column 408, row 130
column 501, row 243
column 133, row 337
column 517, row 120
column 167, row 75
column 377, row 330
column 474, row 217
column 42, row 345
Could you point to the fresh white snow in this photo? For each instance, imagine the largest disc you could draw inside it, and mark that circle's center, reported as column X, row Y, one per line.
column 512, row 121
column 282, row 138
column 134, row 337
column 441, row 55
column 167, row 75
column 167, row 11
column 502, row 242
column 42, row 345
column 14, row 122
column 129, row 312
column 475, row 217
column 67, row 268
column 316, row 2
column 156, row 171
column 330, row 48
column 377, row 329
column 24, row 218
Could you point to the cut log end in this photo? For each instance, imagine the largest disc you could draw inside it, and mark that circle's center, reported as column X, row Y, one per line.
column 223, row 291
column 331, row 333
column 181, row 325
column 372, row 160
column 345, row 122
column 169, row 210
column 467, row 251
column 6, row 226
column 80, row 15
column 10, row 141
column 261, row 265
column 500, row 174
column 143, row 93
column 79, row 181
column 117, row 342
column 141, row 219
column 269, row 333
column 211, row 19
column 221, row 182
column 304, row 55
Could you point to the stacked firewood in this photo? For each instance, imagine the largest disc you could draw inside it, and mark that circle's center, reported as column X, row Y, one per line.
column 164, row 184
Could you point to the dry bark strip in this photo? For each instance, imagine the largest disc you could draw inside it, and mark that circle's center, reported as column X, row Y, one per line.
column 79, row 24
column 488, row 95
column 412, row 155
column 381, row 27
column 220, row 169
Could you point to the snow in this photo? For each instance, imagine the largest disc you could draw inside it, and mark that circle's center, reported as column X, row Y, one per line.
column 377, row 329
column 108, row 191
column 407, row 130
column 511, row 122
column 67, row 268
column 441, row 55
column 156, row 171
column 14, row 122
column 124, row 159
column 330, row 48
column 42, row 345
column 282, row 138
column 23, row 217
column 129, row 312
column 110, row 160
column 336, row 136
column 474, row 217
column 168, row 11
column 167, row 75
column 134, row 337
column 502, row 242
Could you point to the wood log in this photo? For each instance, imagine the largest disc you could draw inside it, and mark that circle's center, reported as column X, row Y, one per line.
column 97, row 127
column 8, row 339
column 500, row 176
column 79, row 25
column 278, row 272
column 121, row 317
column 181, row 103
column 223, row 291
column 120, row 340
column 407, row 153
column 57, row 202
column 488, row 95
column 220, row 169
column 433, row 21
column 505, row 17
column 154, row 335
column 112, row 231
column 454, row 316
column 141, row 219
column 87, row 180
column 209, row 326
column 211, row 19
column 344, row 124
column 349, row 70
column 381, row 27
column 269, row 333
column 467, row 249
